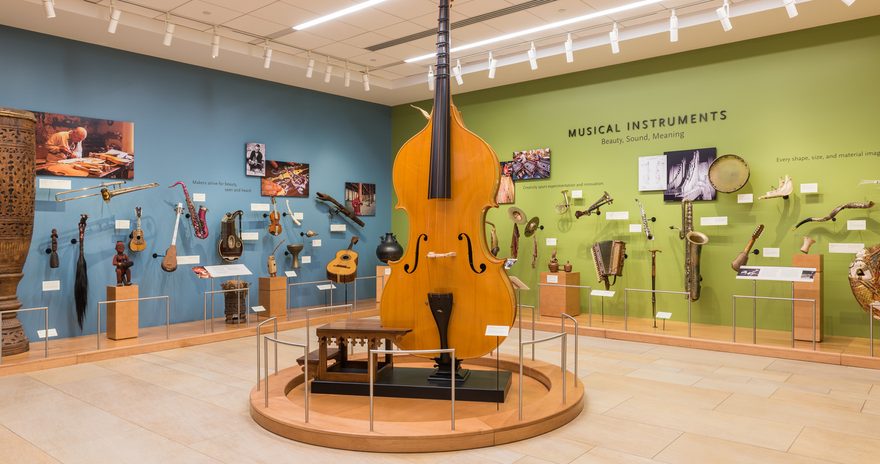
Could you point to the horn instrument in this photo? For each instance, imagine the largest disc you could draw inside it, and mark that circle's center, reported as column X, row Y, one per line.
column 200, row 225
column 808, row 242
column 743, row 257
column 694, row 242
column 604, row 200
column 832, row 216
column 107, row 192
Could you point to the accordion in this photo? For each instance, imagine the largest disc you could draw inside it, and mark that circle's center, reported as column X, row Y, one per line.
column 608, row 259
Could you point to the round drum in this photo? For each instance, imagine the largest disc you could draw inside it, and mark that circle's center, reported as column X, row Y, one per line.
column 728, row 173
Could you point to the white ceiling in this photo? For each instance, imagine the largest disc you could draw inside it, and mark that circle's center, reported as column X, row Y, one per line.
column 244, row 25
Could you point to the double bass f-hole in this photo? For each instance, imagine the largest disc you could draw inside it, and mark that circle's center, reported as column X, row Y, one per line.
column 471, row 254
column 415, row 266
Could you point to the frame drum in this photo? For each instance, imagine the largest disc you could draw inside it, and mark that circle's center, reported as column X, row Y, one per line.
column 728, row 173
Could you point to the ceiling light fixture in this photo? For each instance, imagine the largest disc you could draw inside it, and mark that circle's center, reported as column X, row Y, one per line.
column 367, row 81
column 337, row 14
column 724, row 16
column 673, row 27
column 790, row 8
column 493, row 64
column 533, row 57
column 328, row 72
column 267, row 55
column 614, row 38
column 457, row 72
column 169, row 32
column 49, row 5
column 848, row 2
column 215, row 45
column 569, row 49
column 431, row 78
column 311, row 66
column 115, row 14
column 347, row 75
column 545, row 27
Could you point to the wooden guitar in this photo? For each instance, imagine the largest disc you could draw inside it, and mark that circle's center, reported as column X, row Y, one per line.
column 169, row 262
column 343, row 268
column 274, row 219
column 137, row 242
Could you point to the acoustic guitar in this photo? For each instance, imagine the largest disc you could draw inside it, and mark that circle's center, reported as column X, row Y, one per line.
column 274, row 219
column 137, row 242
column 343, row 268
column 169, row 262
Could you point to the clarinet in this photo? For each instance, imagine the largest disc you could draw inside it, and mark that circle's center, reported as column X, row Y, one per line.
column 200, row 225
column 645, row 227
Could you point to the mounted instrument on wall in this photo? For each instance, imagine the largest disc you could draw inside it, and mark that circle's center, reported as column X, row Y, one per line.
column 343, row 268
column 645, row 228
column 446, row 178
column 294, row 251
column 728, row 173
column 784, row 189
column 531, row 227
column 808, row 242
column 81, row 280
column 608, row 258
column 274, row 219
column 200, row 225
column 864, row 279
column 309, row 233
column 339, row 208
column 53, row 251
column 230, row 246
column 565, row 206
column 654, row 284
column 169, row 261
column 743, row 257
column 137, row 242
column 594, row 208
column 106, row 193
column 493, row 240
column 271, row 264
column 290, row 213
column 693, row 246
column 832, row 216
column 518, row 217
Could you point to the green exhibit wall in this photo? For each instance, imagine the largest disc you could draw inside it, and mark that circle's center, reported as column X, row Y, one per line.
column 804, row 104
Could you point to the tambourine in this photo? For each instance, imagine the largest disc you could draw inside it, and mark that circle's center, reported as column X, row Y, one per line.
column 728, row 173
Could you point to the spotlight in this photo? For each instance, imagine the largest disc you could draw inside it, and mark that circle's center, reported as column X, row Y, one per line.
column 457, row 72
column 614, row 37
column 493, row 64
column 115, row 14
column 569, row 50
column 724, row 16
column 431, row 78
column 366, row 81
column 533, row 57
column 311, row 67
column 267, row 56
column 848, row 2
column 215, row 45
column 673, row 27
column 49, row 5
column 328, row 73
column 169, row 34
column 790, row 8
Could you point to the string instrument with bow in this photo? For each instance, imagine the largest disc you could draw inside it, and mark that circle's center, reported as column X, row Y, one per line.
column 274, row 219
column 343, row 268
column 447, row 287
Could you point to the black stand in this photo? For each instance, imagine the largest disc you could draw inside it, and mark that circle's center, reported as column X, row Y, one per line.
column 441, row 309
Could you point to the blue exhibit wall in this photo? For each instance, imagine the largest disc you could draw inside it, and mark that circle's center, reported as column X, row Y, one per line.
column 191, row 124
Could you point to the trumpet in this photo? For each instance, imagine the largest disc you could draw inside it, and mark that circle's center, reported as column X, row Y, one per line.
column 604, row 200
column 107, row 192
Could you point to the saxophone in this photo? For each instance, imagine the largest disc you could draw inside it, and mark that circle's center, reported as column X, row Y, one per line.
column 694, row 242
column 200, row 225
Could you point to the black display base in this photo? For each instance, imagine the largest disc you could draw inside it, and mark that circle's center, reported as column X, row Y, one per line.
column 412, row 382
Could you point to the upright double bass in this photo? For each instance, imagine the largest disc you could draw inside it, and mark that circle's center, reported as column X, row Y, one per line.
column 447, row 287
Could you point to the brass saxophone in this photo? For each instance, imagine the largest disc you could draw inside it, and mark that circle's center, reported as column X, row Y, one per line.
column 694, row 242
column 200, row 225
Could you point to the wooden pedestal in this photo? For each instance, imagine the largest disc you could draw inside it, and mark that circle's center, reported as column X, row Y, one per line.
column 273, row 296
column 556, row 300
column 803, row 310
column 122, row 318
column 382, row 275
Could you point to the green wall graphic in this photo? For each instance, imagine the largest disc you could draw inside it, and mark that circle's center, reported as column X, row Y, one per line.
column 803, row 104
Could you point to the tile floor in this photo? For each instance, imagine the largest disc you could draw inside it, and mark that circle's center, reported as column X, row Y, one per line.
column 645, row 403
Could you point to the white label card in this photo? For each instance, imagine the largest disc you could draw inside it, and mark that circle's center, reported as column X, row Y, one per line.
column 577, row 194
column 846, row 248
column 552, row 279
column 387, row 271
column 123, row 224
column 298, row 215
column 602, row 293
column 290, row 273
column 258, row 309
column 771, row 252
column 51, row 285
column 664, row 315
column 745, row 198
column 337, row 227
column 713, row 221
column 305, row 259
column 636, row 228
column 497, row 330
column 192, row 259
column 316, row 242
column 810, row 188
column 323, row 287
column 227, row 270
column 42, row 333
column 617, row 215
column 54, row 184
column 550, row 241
column 199, row 197
column 250, row 236
column 777, row 273
column 857, row 224
column 259, row 206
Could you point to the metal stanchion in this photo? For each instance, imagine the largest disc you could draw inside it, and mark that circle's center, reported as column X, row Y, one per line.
column 644, row 290
column 274, row 321
column 562, row 320
column 24, row 310
column 146, row 298
column 562, row 365
column 231, row 290
column 266, row 341
column 772, row 298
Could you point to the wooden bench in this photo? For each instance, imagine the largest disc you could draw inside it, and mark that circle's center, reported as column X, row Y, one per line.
column 315, row 357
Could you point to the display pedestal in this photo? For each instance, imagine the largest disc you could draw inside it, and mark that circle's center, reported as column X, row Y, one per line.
column 122, row 318
column 272, row 296
column 381, row 280
column 803, row 310
column 557, row 300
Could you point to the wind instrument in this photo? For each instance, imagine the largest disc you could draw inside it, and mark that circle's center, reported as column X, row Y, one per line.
column 808, row 242
column 169, row 262
column 200, row 225
column 106, row 193
column 645, row 228
column 339, row 208
column 784, row 189
column 290, row 213
column 563, row 207
column 608, row 258
column 654, row 284
column 832, row 215
column 694, row 242
column 743, row 257
column 604, row 200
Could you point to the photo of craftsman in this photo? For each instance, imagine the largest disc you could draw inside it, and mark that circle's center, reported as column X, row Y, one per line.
column 285, row 179
column 77, row 146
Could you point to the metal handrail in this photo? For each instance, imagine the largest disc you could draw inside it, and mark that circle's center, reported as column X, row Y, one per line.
column 274, row 321
column 533, row 311
column 576, row 325
column 562, row 364
column 644, row 290
column 146, row 298
column 24, row 310
column 370, row 354
column 355, row 287
column 774, row 298
column 266, row 341
column 247, row 315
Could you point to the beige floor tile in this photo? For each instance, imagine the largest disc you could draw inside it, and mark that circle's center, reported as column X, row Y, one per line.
column 607, row 456
column 550, row 447
column 652, row 389
column 598, row 400
column 818, row 399
column 140, row 446
column 14, row 449
column 712, row 357
column 532, row 460
column 836, row 446
column 872, row 407
column 665, row 376
column 692, row 448
column 825, row 371
column 757, row 389
column 628, row 436
column 754, row 373
column 73, row 373
column 832, row 383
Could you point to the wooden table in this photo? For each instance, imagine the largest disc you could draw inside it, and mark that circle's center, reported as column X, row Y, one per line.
column 358, row 331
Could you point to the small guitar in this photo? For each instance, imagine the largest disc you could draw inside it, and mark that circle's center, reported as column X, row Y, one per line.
column 169, row 262
column 274, row 219
column 743, row 257
column 137, row 242
column 343, row 268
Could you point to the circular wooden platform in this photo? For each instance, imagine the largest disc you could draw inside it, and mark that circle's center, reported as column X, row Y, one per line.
column 417, row 425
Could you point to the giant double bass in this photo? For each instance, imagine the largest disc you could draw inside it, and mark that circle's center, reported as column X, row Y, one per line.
column 447, row 285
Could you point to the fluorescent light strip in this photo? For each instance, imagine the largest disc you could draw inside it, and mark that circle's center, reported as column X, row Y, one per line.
column 545, row 27
column 337, row 14
column 673, row 27
column 790, row 8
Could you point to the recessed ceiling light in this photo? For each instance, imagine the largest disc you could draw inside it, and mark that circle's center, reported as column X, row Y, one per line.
column 337, row 14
